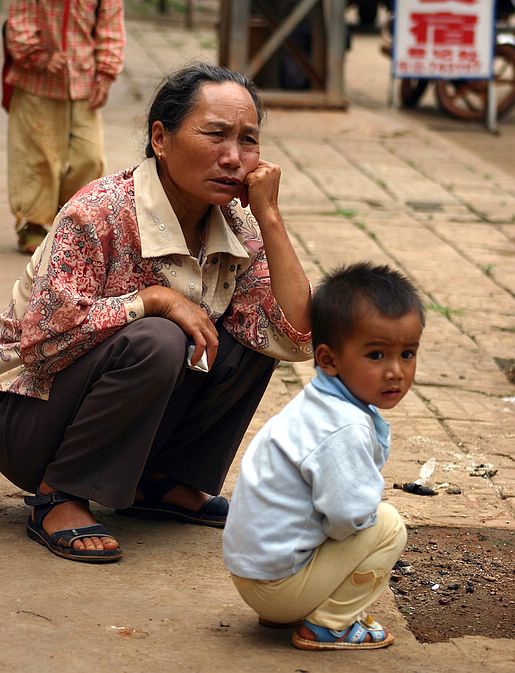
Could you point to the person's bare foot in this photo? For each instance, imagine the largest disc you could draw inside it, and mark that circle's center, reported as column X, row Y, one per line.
column 74, row 514
column 183, row 496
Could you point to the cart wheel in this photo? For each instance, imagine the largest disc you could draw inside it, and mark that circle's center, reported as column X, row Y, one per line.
column 412, row 90
column 468, row 99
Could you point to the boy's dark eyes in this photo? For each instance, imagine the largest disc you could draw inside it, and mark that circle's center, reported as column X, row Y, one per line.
column 379, row 355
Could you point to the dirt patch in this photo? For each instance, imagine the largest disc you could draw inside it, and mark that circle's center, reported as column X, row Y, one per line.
column 453, row 582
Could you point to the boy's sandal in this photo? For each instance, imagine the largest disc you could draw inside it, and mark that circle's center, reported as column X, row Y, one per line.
column 30, row 237
column 60, row 543
column 364, row 634
column 212, row 513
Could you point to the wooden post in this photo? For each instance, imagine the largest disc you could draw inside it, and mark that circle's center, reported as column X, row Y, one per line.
column 239, row 35
column 280, row 36
column 189, row 14
column 336, row 40
column 323, row 66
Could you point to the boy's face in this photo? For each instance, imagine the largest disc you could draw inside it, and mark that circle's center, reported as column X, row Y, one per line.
column 377, row 363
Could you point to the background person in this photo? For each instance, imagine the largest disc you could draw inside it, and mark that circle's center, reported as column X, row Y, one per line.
column 138, row 265
column 65, row 57
column 307, row 537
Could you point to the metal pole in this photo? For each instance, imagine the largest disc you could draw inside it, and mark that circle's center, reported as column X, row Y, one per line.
column 492, row 107
column 395, row 93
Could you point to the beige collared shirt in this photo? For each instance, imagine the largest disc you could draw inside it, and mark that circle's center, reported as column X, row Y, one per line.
column 210, row 281
column 115, row 237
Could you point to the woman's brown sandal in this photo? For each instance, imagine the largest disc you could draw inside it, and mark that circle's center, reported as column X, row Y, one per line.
column 60, row 543
column 212, row 513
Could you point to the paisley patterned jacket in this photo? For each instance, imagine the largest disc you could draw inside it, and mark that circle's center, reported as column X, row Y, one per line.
column 116, row 236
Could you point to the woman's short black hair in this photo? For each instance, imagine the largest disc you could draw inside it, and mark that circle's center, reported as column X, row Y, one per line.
column 342, row 295
column 178, row 92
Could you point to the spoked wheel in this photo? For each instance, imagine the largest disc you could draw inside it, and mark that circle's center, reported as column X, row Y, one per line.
column 412, row 91
column 468, row 99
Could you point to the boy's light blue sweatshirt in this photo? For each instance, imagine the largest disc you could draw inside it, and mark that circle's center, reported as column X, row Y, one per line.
column 311, row 472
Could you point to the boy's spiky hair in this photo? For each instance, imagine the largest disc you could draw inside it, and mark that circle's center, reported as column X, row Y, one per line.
column 342, row 293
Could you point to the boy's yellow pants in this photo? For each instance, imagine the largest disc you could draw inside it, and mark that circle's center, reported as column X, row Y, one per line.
column 341, row 579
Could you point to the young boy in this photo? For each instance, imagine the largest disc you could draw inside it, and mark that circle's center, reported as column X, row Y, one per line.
column 307, row 536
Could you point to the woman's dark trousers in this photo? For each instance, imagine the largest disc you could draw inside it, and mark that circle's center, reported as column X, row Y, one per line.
column 131, row 406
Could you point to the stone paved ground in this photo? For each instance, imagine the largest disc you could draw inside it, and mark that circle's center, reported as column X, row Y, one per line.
column 362, row 184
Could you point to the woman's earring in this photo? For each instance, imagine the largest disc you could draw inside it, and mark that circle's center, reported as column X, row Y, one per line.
column 160, row 156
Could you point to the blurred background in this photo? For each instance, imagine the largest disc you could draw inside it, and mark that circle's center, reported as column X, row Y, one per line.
column 300, row 73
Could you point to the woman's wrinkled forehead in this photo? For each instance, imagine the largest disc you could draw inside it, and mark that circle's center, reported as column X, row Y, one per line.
column 213, row 98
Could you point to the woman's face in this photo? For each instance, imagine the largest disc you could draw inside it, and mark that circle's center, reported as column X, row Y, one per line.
column 206, row 161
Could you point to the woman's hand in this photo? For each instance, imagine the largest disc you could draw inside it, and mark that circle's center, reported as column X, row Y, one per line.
column 261, row 192
column 290, row 285
column 191, row 318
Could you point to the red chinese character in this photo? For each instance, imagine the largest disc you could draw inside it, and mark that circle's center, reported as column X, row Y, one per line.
column 444, row 28
column 443, row 54
column 468, row 55
column 416, row 52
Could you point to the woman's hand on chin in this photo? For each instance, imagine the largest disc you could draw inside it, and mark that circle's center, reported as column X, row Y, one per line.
column 191, row 318
column 260, row 191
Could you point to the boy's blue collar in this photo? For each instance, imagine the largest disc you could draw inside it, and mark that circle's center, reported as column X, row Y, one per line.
column 334, row 386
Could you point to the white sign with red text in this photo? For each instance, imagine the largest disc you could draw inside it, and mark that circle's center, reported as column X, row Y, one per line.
column 448, row 39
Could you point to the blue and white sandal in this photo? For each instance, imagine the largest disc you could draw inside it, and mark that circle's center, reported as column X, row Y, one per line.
column 60, row 543
column 364, row 634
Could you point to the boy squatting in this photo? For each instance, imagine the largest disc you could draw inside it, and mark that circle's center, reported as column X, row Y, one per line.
column 308, row 541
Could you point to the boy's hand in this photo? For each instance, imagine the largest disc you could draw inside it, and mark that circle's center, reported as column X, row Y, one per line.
column 100, row 93
column 56, row 63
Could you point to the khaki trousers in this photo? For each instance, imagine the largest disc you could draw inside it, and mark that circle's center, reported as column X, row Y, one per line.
column 54, row 148
column 343, row 577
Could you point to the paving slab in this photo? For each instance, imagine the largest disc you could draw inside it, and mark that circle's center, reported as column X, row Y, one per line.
column 364, row 184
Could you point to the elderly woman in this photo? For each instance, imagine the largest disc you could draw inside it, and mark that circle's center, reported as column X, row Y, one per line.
column 145, row 329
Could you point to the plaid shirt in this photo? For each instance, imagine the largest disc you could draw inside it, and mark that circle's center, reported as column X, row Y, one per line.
column 93, row 42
